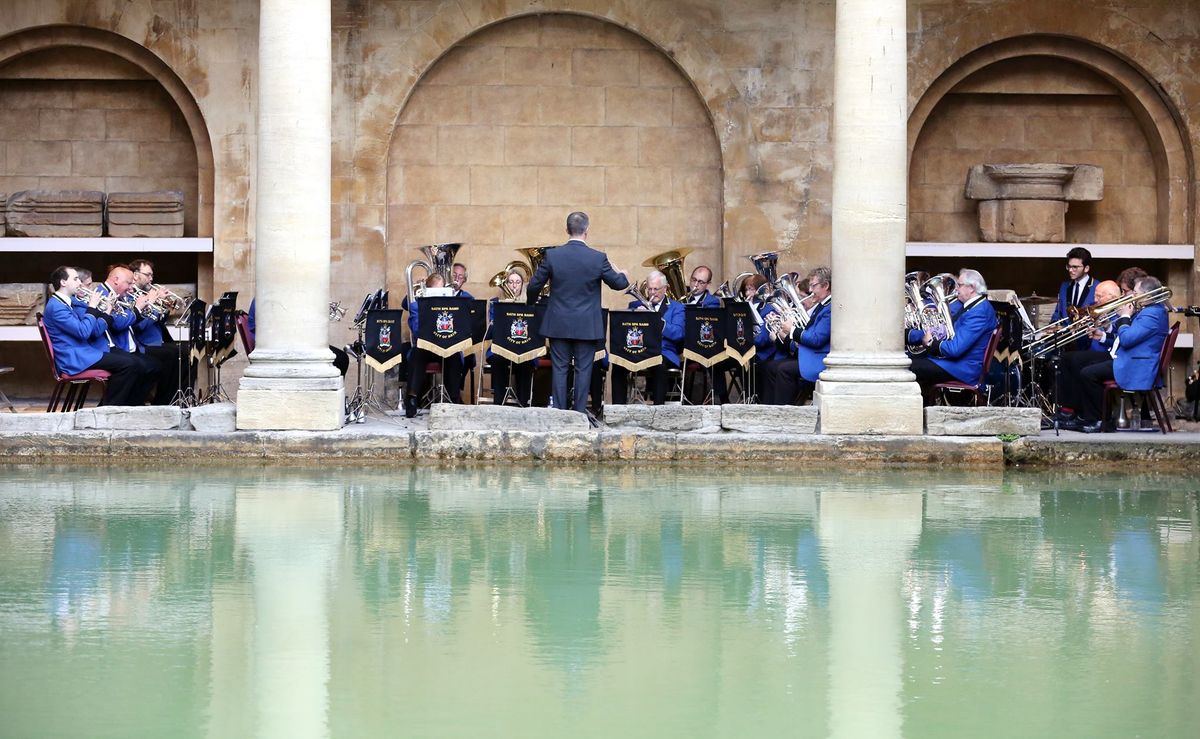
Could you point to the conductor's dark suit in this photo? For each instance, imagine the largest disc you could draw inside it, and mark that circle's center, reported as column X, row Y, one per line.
column 573, row 321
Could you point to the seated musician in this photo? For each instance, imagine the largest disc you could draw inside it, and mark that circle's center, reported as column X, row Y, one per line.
column 1135, row 352
column 1073, row 362
column 452, row 367
column 151, row 336
column 502, row 368
column 1078, row 290
column 672, row 338
column 458, row 278
column 121, row 331
column 787, row 377
column 78, row 333
column 1128, row 278
column 698, row 286
column 961, row 358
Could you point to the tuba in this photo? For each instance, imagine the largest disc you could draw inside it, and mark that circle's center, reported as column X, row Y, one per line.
column 439, row 258
column 670, row 263
column 536, row 255
column 767, row 265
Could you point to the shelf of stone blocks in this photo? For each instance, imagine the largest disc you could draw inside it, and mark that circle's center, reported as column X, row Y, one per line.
column 132, row 245
column 1048, row 251
column 30, row 333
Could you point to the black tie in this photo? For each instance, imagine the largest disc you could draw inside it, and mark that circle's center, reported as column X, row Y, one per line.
column 1075, row 294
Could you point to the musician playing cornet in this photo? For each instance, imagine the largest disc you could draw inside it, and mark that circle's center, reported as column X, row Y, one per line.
column 961, row 357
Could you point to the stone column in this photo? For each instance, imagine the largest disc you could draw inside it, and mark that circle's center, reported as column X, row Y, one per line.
column 866, row 387
column 866, row 541
column 291, row 382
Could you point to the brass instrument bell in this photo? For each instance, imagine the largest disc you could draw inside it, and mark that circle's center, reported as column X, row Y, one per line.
column 670, row 263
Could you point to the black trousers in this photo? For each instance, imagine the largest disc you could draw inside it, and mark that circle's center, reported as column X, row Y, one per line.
column 170, row 365
column 783, row 382
column 929, row 373
column 131, row 375
column 502, row 371
column 656, row 382
column 452, row 372
column 564, row 352
column 1091, row 390
column 1070, row 383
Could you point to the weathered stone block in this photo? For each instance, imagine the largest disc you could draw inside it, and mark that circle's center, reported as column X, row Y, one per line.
column 629, row 445
column 1023, row 221
column 656, row 417
column 145, row 214
column 770, row 419
column 984, row 421
column 452, row 417
column 67, row 213
column 214, row 417
column 306, row 410
column 40, row 422
column 131, row 418
column 481, row 445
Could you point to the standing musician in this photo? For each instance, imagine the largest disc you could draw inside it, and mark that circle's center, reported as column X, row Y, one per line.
column 788, row 377
column 123, row 337
column 962, row 357
column 573, row 322
column 1073, row 362
column 502, row 368
column 699, row 295
column 1079, row 289
column 1135, row 354
column 452, row 367
column 672, row 314
column 78, row 333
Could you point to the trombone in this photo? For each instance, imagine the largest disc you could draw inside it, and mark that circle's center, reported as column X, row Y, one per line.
column 1091, row 317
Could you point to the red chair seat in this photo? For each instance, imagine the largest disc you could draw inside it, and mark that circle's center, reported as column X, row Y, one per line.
column 87, row 376
column 1151, row 396
column 77, row 385
column 977, row 388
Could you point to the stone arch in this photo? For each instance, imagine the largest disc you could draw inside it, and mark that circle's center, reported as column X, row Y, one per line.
column 655, row 21
column 1158, row 119
column 535, row 116
column 31, row 40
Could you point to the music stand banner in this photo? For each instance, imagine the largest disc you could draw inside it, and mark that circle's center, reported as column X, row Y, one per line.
column 382, row 341
column 739, row 331
column 445, row 326
column 704, row 335
column 635, row 339
column 199, row 343
column 515, row 332
column 479, row 323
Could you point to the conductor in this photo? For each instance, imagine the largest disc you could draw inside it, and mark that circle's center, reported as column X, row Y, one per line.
column 573, row 321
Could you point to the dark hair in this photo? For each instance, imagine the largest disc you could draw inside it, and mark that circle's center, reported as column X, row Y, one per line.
column 84, row 273
column 577, row 223
column 1081, row 254
column 59, row 276
column 1129, row 277
column 136, row 265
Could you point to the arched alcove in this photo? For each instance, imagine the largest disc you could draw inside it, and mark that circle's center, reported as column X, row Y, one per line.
column 533, row 117
column 1051, row 98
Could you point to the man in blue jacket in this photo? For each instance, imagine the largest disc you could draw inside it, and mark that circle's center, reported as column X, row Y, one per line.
column 787, row 377
column 1075, row 361
column 1078, row 290
column 573, row 322
column 78, row 334
column 698, row 287
column 125, row 322
column 962, row 357
column 1135, row 353
column 672, row 314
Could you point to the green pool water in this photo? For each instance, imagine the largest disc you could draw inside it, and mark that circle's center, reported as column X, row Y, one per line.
column 632, row 602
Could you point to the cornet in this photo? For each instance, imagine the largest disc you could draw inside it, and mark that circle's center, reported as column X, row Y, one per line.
column 336, row 311
column 107, row 304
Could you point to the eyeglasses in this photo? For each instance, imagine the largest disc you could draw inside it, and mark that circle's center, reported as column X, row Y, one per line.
column 1074, row 266
column 698, row 281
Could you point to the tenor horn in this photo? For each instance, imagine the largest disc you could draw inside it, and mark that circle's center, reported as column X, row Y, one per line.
column 439, row 259
column 670, row 263
column 500, row 279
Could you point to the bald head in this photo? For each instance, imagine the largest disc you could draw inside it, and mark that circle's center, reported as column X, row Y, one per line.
column 119, row 279
column 1107, row 290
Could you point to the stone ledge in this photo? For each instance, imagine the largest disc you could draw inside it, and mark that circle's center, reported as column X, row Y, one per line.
column 39, row 422
column 663, row 417
column 982, row 421
column 452, row 417
column 214, row 417
column 131, row 418
column 768, row 419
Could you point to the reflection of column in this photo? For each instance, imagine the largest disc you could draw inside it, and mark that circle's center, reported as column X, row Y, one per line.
column 866, row 539
column 866, row 386
column 291, row 382
column 292, row 536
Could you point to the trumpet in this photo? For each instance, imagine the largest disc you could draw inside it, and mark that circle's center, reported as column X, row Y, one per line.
column 336, row 311
column 108, row 303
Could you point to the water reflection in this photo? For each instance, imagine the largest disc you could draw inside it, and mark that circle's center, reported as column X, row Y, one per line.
column 344, row 602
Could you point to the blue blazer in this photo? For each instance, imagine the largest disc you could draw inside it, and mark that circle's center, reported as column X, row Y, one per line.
column 915, row 334
column 1140, row 343
column 764, row 343
column 76, row 335
column 1064, row 298
column 813, row 342
column 121, row 330
column 672, row 333
column 962, row 356
column 147, row 332
column 575, row 271
column 709, row 301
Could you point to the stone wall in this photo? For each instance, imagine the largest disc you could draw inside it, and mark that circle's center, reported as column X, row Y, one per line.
column 535, row 117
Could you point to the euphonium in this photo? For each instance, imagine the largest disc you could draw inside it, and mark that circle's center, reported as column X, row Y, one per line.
column 732, row 290
column 670, row 263
column 940, row 289
column 795, row 299
column 439, row 258
column 767, row 265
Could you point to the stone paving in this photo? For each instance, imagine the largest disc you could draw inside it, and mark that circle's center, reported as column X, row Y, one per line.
column 732, row 435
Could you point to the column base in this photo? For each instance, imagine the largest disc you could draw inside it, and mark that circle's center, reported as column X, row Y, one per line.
column 870, row 408
column 281, row 405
